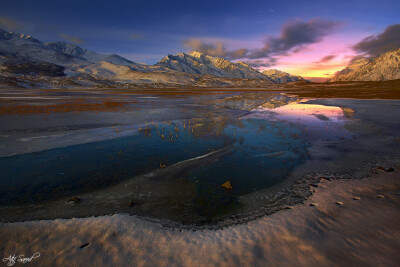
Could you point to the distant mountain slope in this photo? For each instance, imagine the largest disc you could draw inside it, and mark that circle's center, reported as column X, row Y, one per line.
column 383, row 68
column 278, row 76
column 199, row 63
column 93, row 57
column 15, row 46
column 20, row 47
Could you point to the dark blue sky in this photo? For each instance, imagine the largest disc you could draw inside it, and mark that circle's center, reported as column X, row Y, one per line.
column 145, row 31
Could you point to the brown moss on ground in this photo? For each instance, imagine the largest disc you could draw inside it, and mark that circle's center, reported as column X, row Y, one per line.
column 357, row 90
column 77, row 106
column 117, row 98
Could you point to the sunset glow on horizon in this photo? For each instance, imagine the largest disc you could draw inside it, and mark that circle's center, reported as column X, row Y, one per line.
column 320, row 61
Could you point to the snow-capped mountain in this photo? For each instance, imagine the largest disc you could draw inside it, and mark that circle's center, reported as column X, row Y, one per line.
column 382, row 68
column 20, row 47
column 278, row 76
column 199, row 63
column 25, row 61
column 15, row 46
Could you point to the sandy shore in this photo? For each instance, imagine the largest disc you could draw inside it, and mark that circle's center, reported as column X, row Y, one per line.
column 364, row 232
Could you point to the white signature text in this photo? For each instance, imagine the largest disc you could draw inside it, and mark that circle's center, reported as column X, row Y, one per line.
column 21, row 258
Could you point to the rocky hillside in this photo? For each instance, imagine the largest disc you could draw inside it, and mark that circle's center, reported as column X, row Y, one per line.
column 383, row 68
column 199, row 63
column 278, row 76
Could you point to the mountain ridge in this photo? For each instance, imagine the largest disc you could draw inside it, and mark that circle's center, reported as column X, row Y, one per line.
column 381, row 68
column 90, row 56
column 200, row 63
column 24, row 57
column 282, row 77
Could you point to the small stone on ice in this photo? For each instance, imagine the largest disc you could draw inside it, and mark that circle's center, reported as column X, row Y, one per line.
column 227, row 185
column 74, row 200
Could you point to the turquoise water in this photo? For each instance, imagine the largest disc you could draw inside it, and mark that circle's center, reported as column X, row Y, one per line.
column 261, row 154
column 61, row 172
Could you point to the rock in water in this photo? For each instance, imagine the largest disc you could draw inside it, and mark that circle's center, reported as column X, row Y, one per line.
column 227, row 185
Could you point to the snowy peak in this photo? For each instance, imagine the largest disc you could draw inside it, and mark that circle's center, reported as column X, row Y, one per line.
column 196, row 54
column 23, row 50
column 199, row 63
column 281, row 77
column 382, row 68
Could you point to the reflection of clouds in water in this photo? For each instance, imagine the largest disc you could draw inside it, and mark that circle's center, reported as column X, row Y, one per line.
column 302, row 112
column 315, row 121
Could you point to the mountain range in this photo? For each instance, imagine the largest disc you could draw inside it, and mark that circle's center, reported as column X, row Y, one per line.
column 26, row 61
column 199, row 63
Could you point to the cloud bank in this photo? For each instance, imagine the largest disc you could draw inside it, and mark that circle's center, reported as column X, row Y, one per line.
column 375, row 45
column 326, row 59
column 294, row 36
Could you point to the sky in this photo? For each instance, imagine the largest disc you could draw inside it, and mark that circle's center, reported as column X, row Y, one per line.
column 313, row 39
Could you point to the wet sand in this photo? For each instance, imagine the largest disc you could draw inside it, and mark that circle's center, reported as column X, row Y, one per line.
column 364, row 232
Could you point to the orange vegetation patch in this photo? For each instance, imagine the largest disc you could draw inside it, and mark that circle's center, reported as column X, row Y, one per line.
column 63, row 107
